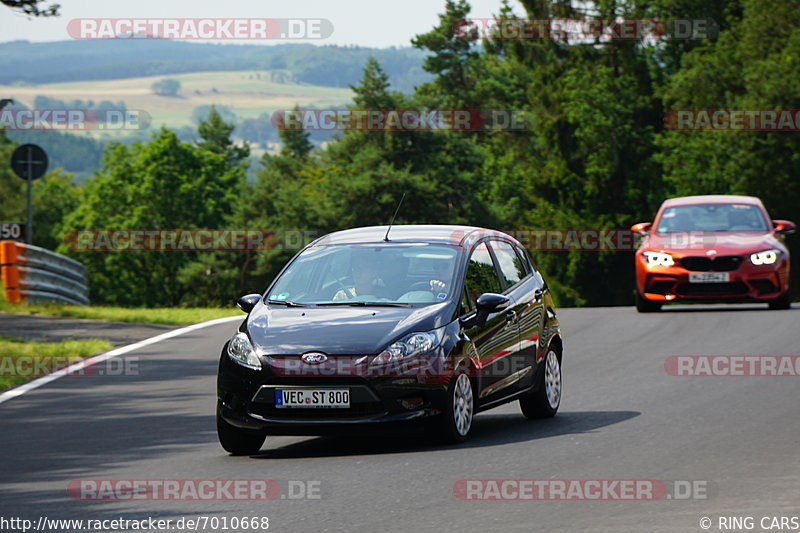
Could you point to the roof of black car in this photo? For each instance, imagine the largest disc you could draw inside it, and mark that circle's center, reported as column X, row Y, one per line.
column 453, row 235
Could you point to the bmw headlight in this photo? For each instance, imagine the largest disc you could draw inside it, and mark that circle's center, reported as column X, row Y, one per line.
column 767, row 257
column 241, row 350
column 409, row 346
column 659, row 259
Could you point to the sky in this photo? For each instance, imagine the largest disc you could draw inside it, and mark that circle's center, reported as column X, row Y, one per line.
column 371, row 23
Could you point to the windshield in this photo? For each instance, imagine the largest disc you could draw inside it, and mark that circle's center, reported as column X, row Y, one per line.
column 712, row 217
column 388, row 274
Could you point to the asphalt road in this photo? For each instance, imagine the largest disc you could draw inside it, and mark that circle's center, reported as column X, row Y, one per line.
column 622, row 417
column 51, row 329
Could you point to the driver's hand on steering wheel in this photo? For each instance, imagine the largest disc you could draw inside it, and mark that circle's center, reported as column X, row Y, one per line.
column 437, row 286
column 345, row 294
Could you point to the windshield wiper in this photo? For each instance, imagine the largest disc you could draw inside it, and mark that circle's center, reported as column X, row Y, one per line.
column 287, row 303
column 366, row 304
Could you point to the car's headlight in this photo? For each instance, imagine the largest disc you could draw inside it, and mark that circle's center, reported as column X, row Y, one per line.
column 410, row 345
column 241, row 350
column 659, row 258
column 767, row 257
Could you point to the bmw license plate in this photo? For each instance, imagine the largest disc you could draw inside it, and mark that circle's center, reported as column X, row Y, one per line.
column 309, row 398
column 709, row 277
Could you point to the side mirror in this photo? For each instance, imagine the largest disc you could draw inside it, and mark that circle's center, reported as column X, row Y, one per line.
column 488, row 303
column 784, row 227
column 492, row 302
column 642, row 228
column 248, row 302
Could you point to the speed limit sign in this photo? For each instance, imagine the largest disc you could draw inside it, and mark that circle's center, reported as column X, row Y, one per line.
column 12, row 231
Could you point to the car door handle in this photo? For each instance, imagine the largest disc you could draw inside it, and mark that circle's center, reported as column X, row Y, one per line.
column 511, row 316
column 537, row 294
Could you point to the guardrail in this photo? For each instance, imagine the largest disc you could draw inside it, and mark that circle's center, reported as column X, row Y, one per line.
column 37, row 275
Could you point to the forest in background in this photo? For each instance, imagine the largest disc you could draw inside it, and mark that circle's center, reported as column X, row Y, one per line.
column 595, row 154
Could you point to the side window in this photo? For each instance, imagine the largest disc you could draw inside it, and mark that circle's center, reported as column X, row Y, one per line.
column 511, row 266
column 481, row 275
column 526, row 264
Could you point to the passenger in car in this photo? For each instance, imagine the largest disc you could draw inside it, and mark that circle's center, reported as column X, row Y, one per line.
column 442, row 271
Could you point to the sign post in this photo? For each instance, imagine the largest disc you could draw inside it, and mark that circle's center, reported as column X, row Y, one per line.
column 29, row 162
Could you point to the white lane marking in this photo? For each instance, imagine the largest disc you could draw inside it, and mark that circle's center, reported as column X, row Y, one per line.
column 89, row 361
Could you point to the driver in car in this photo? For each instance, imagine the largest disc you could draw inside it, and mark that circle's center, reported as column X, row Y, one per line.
column 366, row 281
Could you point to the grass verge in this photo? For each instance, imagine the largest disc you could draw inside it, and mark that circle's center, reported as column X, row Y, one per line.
column 188, row 315
column 23, row 360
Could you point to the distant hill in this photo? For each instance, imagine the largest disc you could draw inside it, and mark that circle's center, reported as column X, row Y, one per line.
column 246, row 98
column 23, row 62
column 246, row 94
column 249, row 81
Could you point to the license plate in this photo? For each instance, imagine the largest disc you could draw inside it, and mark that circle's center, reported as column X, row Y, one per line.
column 709, row 277
column 312, row 398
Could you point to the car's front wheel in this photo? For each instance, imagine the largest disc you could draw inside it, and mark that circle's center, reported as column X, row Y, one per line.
column 643, row 305
column 545, row 401
column 238, row 441
column 453, row 425
column 784, row 302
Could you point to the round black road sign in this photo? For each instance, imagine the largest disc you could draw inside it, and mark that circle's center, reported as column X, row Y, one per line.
column 29, row 162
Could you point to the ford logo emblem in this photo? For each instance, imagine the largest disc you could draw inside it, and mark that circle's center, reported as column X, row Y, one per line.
column 314, row 358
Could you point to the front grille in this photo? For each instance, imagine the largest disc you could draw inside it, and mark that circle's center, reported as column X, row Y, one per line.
column 723, row 263
column 732, row 288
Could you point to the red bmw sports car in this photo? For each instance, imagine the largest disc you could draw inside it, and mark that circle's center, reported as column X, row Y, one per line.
column 712, row 248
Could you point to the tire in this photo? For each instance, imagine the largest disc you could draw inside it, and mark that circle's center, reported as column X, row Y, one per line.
column 643, row 305
column 784, row 302
column 453, row 426
column 238, row 441
column 545, row 401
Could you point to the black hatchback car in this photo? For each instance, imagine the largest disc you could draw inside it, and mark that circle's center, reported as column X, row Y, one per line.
column 378, row 325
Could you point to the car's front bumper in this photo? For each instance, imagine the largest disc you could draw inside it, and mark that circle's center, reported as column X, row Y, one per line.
column 247, row 400
column 747, row 283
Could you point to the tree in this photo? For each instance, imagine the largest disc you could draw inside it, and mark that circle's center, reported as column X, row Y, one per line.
column 12, row 194
column 33, row 7
column 372, row 92
column 451, row 57
column 216, row 135
column 55, row 196
column 753, row 65
column 296, row 143
column 200, row 113
column 163, row 184
column 166, row 87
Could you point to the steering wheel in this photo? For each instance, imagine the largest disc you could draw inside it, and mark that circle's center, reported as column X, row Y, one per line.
column 420, row 286
column 342, row 286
